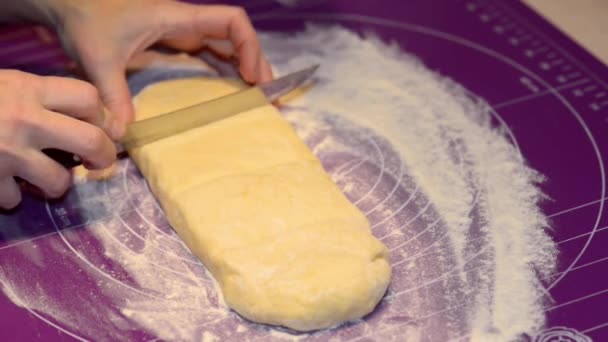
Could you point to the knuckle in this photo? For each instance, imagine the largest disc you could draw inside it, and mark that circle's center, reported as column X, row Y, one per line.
column 239, row 12
column 19, row 111
column 19, row 83
column 9, row 75
column 19, row 120
column 24, row 117
column 89, row 94
column 26, row 83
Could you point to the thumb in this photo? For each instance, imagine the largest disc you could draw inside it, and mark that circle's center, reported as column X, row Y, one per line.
column 111, row 82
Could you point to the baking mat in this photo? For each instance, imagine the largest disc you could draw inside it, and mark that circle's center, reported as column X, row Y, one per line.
column 545, row 88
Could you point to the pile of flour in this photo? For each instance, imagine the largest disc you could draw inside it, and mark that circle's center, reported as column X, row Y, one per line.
column 445, row 138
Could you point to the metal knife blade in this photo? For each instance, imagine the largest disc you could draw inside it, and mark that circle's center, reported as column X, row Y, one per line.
column 149, row 130
column 273, row 90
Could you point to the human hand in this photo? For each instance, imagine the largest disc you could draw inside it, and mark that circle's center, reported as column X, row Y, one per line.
column 41, row 112
column 104, row 36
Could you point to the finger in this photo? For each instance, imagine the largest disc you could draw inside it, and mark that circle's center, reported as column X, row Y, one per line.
column 221, row 47
column 111, row 83
column 194, row 43
column 187, row 43
column 264, row 70
column 43, row 172
column 88, row 142
column 73, row 97
column 10, row 195
column 224, row 22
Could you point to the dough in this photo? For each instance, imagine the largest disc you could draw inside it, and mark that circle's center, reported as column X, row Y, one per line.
column 254, row 204
column 80, row 173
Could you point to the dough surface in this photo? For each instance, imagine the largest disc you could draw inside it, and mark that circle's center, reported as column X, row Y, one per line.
column 254, row 204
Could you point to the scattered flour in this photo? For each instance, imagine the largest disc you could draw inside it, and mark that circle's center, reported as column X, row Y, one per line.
column 464, row 176
column 430, row 121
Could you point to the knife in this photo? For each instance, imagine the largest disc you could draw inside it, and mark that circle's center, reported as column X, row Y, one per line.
column 146, row 131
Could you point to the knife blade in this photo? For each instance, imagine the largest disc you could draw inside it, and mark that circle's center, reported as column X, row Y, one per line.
column 149, row 130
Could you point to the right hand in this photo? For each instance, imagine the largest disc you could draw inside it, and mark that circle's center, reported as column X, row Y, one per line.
column 48, row 112
column 106, row 36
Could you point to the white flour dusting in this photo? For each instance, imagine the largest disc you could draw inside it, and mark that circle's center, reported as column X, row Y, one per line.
column 426, row 117
column 372, row 108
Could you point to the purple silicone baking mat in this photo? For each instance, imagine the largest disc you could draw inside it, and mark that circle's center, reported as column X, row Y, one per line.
column 550, row 92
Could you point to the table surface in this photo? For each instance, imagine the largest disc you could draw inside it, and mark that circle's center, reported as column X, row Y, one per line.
column 584, row 20
column 551, row 93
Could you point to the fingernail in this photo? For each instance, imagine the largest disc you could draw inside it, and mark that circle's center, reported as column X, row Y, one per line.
column 88, row 165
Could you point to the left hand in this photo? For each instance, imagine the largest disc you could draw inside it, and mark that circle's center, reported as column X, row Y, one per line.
column 104, row 36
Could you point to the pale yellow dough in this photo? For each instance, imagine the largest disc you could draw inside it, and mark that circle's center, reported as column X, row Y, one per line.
column 254, row 204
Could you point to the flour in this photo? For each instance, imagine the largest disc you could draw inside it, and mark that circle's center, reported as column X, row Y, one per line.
column 446, row 141
column 448, row 194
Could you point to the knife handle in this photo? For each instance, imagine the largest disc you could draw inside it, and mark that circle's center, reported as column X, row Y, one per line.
column 66, row 159
column 70, row 160
column 155, row 128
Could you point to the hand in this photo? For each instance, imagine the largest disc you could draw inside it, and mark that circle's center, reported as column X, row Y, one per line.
column 41, row 112
column 104, row 36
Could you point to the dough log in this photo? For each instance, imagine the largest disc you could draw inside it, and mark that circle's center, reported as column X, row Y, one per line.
column 254, row 204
